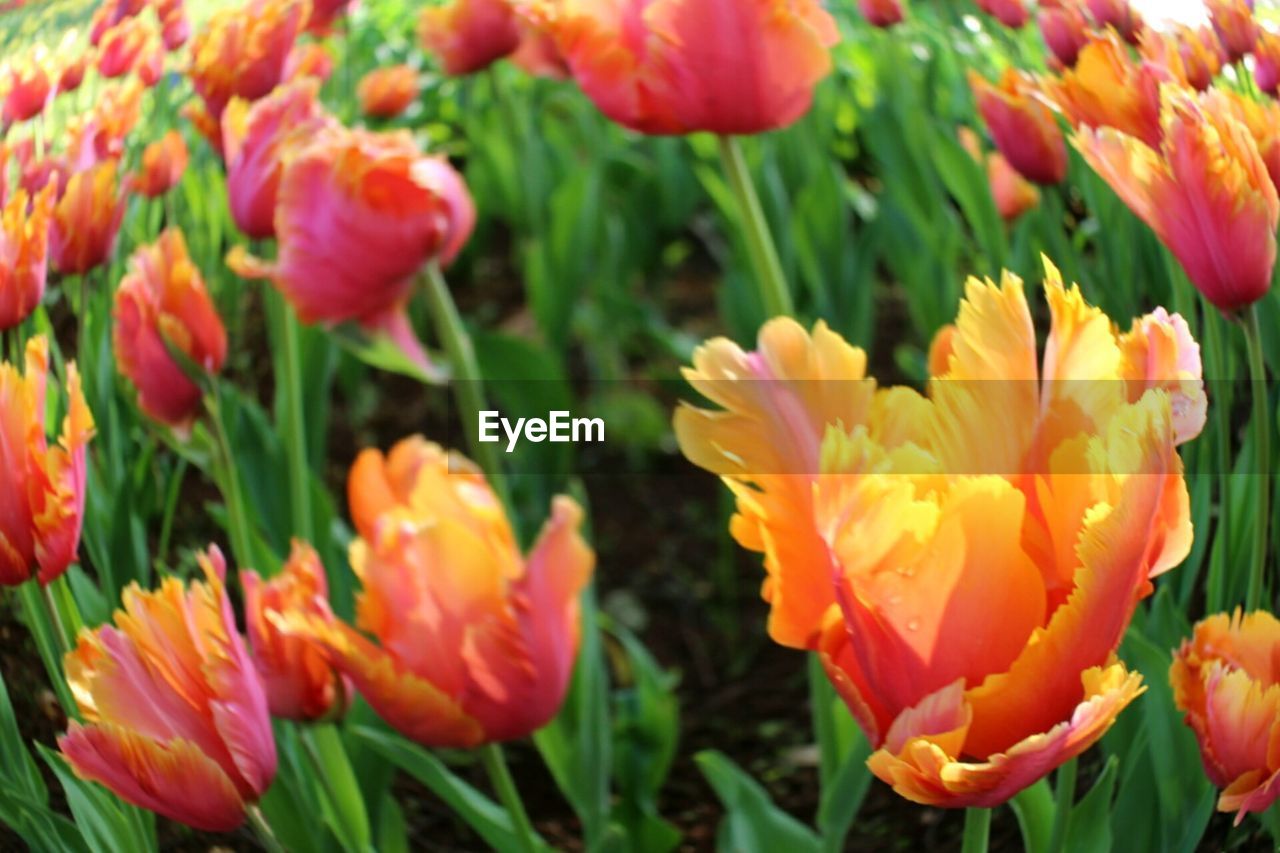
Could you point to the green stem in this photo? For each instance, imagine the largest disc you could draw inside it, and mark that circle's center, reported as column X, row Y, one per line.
column 232, row 494
column 1064, row 798
column 1262, row 456
column 170, row 510
column 495, row 764
column 329, row 759
column 774, row 294
column 48, row 644
column 55, row 618
column 264, row 831
column 295, row 432
column 1220, row 557
column 977, row 830
column 467, row 380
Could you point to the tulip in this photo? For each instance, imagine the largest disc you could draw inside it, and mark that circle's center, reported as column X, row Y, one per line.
column 175, row 718
column 114, row 117
column 121, row 46
column 1205, row 191
column 891, row 563
column 241, row 52
column 1266, row 62
column 150, row 66
column 1261, row 119
column 1014, row 195
column 1065, row 31
column 163, row 163
column 469, row 35
column 357, row 215
column 72, row 73
column 881, row 13
column 538, row 55
column 1108, row 89
column 387, row 92
column 29, row 90
column 299, row 682
column 309, row 60
column 1119, row 15
column 1023, row 127
column 1236, row 28
column 324, row 13
column 42, row 488
column 1190, row 56
column 659, row 67
column 86, row 219
column 255, row 139
column 475, row 643
column 1224, row 680
column 24, row 244
column 161, row 303
column 1011, row 13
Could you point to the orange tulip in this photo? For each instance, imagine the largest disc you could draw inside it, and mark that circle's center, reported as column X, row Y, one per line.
column 1190, row 56
column 357, row 215
column 387, row 92
column 24, row 245
column 1266, row 62
column 1205, row 191
column 255, row 139
column 86, row 219
column 29, row 90
column 1024, row 129
column 475, row 643
column 881, row 13
column 1262, row 119
column 242, row 51
column 299, row 682
column 163, row 163
column 469, row 35
column 175, row 719
column 1225, row 681
column 42, row 488
column 121, row 47
column 114, row 116
column 1011, row 13
column 892, row 562
column 1108, row 89
column 1014, row 195
column 72, row 73
column 162, row 302
column 1234, row 23
column 309, row 60
column 1065, row 31
column 1119, row 15
column 659, row 67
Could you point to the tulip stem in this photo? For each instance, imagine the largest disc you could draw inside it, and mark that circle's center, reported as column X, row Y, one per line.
column 64, row 639
column 1064, row 798
column 495, row 763
column 264, row 831
column 329, row 760
column 774, row 293
column 48, row 643
column 467, row 380
column 977, row 830
column 295, row 433
column 1262, row 456
column 232, row 495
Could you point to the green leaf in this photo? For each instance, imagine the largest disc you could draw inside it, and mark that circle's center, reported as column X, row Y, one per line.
column 1034, row 809
column 487, row 818
column 752, row 823
column 102, row 818
column 1089, row 827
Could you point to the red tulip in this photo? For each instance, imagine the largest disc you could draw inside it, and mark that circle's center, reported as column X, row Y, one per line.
column 121, row 46
column 29, row 90
column 324, row 13
column 1234, row 23
column 1023, row 127
column 881, row 13
column 1065, row 31
column 1266, row 62
column 24, row 252
column 1011, row 13
column 72, row 73
column 162, row 302
column 469, row 35
column 1119, row 15
column 660, row 67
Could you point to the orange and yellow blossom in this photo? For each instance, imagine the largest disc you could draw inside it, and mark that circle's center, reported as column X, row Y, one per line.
column 1191, row 56
column 300, row 683
column 1226, row 680
column 891, row 562
column 475, row 643
column 42, row 488
column 387, row 92
column 1205, row 191
column 163, row 303
column 1107, row 88
column 86, row 219
column 163, row 163
column 24, row 253
column 174, row 716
